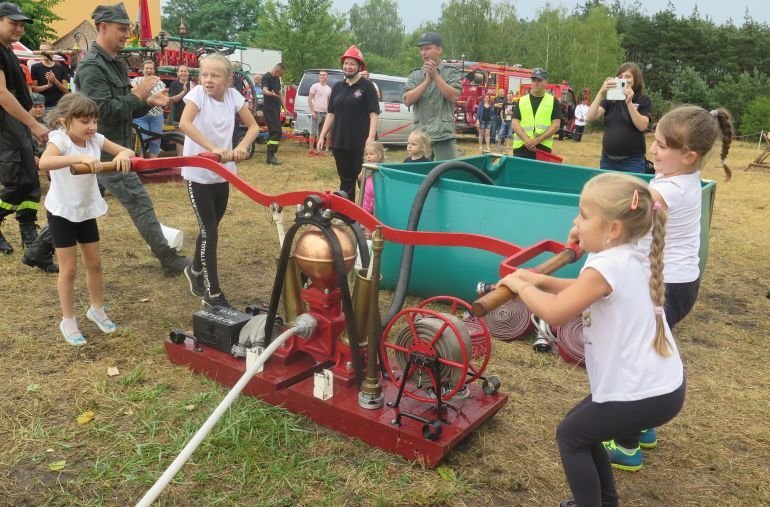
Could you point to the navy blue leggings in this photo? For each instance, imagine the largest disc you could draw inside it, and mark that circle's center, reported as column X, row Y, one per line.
column 588, row 424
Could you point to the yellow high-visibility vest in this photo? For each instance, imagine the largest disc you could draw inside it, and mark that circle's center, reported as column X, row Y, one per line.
column 535, row 124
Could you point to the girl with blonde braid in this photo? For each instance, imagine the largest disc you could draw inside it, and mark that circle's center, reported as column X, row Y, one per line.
column 633, row 364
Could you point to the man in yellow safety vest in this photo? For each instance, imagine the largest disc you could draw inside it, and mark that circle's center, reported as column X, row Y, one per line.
column 536, row 119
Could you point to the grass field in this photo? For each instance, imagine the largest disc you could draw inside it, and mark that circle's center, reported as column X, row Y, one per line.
column 717, row 452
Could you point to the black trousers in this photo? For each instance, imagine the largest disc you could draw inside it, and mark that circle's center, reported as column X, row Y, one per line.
column 348, row 168
column 578, row 135
column 19, row 183
column 209, row 202
column 588, row 424
column 274, row 131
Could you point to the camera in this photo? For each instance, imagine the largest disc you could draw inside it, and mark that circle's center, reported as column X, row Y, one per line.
column 619, row 91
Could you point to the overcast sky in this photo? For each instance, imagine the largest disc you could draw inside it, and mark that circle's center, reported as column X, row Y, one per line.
column 415, row 12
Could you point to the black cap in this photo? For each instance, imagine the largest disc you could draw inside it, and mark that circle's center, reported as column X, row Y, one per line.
column 430, row 38
column 110, row 14
column 14, row 12
column 538, row 73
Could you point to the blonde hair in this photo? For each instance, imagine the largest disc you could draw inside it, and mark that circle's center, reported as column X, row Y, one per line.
column 423, row 139
column 692, row 128
column 216, row 57
column 72, row 105
column 628, row 199
column 377, row 148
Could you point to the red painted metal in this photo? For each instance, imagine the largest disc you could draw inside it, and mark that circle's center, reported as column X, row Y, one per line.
column 291, row 386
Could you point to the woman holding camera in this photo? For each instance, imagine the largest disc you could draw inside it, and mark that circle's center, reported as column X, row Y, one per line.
column 627, row 113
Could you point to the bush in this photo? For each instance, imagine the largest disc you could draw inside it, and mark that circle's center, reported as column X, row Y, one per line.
column 756, row 117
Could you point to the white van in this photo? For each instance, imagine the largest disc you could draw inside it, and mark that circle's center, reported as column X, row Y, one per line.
column 395, row 118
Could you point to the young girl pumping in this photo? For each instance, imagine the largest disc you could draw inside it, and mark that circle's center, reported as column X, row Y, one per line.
column 633, row 364
column 74, row 202
column 208, row 121
column 374, row 153
column 683, row 139
column 417, row 147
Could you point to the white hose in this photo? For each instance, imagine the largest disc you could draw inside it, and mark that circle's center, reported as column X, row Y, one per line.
column 300, row 328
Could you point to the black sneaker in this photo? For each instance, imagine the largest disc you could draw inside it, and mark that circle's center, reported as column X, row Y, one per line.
column 175, row 265
column 217, row 301
column 197, row 286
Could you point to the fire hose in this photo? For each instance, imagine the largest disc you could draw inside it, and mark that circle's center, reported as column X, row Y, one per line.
column 304, row 326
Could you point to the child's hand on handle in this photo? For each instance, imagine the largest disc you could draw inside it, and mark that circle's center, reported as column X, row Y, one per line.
column 94, row 164
column 123, row 161
column 518, row 280
column 225, row 155
column 239, row 154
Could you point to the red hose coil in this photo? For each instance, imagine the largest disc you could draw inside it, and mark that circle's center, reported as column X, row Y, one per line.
column 570, row 342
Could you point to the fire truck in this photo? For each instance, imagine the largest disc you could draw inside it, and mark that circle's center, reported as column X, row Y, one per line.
column 481, row 79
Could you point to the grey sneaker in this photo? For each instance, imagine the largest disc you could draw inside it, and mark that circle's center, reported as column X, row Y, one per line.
column 175, row 265
column 213, row 302
column 197, row 285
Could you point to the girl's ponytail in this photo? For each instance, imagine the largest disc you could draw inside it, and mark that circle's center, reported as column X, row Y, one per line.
column 726, row 127
column 657, row 287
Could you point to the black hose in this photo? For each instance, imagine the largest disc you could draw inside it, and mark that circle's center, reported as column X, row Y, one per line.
column 405, row 269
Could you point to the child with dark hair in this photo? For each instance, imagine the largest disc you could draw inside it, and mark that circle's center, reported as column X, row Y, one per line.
column 74, row 202
column 684, row 138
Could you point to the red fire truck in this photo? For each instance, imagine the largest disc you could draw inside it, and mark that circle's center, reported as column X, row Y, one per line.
column 481, row 78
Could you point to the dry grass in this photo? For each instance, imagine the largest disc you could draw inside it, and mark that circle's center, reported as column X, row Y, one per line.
column 715, row 453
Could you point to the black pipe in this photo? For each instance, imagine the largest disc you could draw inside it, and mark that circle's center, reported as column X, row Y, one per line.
column 399, row 294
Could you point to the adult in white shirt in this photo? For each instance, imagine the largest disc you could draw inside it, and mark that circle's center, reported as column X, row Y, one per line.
column 318, row 101
column 581, row 118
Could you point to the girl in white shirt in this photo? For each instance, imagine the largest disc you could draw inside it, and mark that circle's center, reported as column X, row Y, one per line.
column 634, row 369
column 683, row 139
column 208, row 121
column 74, row 202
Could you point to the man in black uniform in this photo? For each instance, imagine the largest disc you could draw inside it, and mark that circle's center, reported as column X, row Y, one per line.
column 273, row 100
column 20, row 192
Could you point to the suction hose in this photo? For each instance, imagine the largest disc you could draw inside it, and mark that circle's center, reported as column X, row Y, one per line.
column 304, row 326
column 405, row 270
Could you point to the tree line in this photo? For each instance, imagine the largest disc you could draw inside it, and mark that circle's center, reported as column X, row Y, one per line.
column 684, row 59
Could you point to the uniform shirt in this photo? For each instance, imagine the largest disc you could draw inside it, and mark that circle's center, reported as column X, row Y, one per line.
column 621, row 137
column 432, row 112
column 104, row 80
column 683, row 197
column 619, row 330
column 272, row 83
column 15, row 81
column 216, row 121
column 75, row 198
column 53, row 94
column 351, row 106
column 535, row 101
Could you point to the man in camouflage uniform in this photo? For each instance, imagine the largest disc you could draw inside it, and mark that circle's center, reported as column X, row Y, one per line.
column 104, row 79
column 433, row 90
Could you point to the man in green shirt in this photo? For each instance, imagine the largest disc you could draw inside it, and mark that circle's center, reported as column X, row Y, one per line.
column 104, row 79
column 433, row 90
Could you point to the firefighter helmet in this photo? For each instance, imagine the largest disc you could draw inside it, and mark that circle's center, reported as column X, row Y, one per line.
column 354, row 53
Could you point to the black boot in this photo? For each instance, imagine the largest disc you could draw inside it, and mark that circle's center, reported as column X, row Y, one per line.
column 39, row 254
column 28, row 231
column 5, row 247
column 271, row 158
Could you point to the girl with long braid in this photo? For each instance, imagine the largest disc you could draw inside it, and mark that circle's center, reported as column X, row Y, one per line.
column 633, row 364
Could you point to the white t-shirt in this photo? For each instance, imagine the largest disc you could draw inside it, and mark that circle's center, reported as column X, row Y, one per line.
column 581, row 114
column 321, row 98
column 75, row 198
column 619, row 330
column 680, row 255
column 216, row 121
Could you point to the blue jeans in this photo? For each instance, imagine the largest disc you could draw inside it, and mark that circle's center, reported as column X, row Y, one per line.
column 153, row 124
column 505, row 131
column 632, row 164
column 495, row 127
